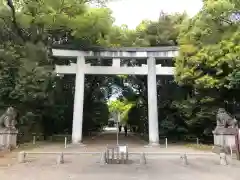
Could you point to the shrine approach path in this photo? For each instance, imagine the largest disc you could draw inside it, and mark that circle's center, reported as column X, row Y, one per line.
column 82, row 166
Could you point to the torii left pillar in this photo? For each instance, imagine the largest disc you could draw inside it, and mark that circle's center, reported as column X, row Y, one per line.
column 78, row 102
column 152, row 103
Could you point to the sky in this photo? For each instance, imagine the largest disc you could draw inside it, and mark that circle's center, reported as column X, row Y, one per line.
column 132, row 12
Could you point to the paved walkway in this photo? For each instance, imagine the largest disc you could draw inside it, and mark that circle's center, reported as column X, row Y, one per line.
column 42, row 167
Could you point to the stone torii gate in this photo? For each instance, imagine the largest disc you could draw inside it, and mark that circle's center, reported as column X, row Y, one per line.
column 151, row 69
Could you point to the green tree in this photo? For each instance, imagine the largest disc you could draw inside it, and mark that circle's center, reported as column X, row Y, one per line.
column 163, row 32
column 28, row 29
column 208, row 62
column 121, row 107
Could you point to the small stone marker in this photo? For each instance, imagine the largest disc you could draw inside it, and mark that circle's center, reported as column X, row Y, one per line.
column 143, row 159
column 60, row 158
column 223, row 159
column 21, row 157
column 65, row 142
column 34, row 140
column 127, row 155
column 107, row 155
column 184, row 159
column 103, row 159
column 166, row 143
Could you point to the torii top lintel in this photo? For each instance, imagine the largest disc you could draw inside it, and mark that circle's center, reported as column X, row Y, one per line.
column 123, row 52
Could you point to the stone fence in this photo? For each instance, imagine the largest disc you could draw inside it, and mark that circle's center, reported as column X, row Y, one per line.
column 22, row 156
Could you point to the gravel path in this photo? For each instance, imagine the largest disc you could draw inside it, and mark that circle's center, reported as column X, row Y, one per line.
column 44, row 167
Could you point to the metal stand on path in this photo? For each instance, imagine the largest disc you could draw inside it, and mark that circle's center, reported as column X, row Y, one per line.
column 117, row 132
column 118, row 121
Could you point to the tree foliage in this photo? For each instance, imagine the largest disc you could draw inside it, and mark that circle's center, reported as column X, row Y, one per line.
column 28, row 29
column 208, row 61
column 122, row 108
column 207, row 68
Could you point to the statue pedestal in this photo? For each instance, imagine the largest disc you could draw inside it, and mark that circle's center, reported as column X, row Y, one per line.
column 8, row 138
column 224, row 139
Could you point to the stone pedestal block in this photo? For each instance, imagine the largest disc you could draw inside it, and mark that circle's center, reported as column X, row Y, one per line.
column 224, row 139
column 8, row 138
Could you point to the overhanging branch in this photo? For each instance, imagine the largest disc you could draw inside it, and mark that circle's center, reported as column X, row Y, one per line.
column 14, row 19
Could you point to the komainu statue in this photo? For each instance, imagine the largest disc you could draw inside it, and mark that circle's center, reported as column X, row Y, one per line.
column 8, row 119
column 225, row 120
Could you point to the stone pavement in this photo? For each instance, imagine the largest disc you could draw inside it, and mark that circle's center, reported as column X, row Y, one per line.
column 43, row 167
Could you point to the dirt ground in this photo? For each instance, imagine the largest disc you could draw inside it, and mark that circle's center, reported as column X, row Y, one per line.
column 169, row 167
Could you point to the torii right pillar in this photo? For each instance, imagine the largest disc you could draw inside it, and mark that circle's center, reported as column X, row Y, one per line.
column 152, row 103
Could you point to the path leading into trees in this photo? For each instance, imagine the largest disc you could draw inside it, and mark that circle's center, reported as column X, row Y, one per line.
column 134, row 142
column 109, row 137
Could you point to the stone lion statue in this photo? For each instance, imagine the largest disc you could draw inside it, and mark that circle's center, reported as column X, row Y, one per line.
column 8, row 119
column 225, row 120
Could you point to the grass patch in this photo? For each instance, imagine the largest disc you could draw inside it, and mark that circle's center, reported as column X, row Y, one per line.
column 203, row 147
column 30, row 145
